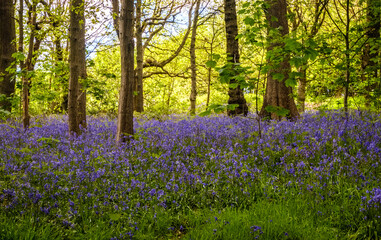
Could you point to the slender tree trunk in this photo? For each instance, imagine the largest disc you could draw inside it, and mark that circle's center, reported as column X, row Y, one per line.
column 319, row 16
column 371, row 52
column 21, row 41
column 235, row 94
column 7, row 48
column 77, row 97
column 115, row 13
column 29, row 65
column 211, row 44
column 138, row 96
column 81, row 56
column 125, row 126
column 278, row 95
column 192, row 51
column 302, row 88
column 61, row 76
column 347, row 59
column 208, row 91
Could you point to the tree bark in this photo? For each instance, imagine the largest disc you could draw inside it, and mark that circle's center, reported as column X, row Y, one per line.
column 347, row 59
column 370, row 64
column 278, row 95
column 34, row 45
column 232, row 51
column 77, row 96
column 192, row 51
column 7, row 48
column 115, row 17
column 138, row 96
column 302, row 83
column 125, row 126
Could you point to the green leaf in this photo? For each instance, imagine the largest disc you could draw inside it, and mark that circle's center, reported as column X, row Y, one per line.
column 205, row 113
column 278, row 76
column 211, row 64
column 270, row 108
column 249, row 21
column 232, row 107
column 19, row 56
column 283, row 112
column 233, row 85
column 246, row 5
column 279, row 111
column 291, row 82
column 216, row 57
column 114, row 216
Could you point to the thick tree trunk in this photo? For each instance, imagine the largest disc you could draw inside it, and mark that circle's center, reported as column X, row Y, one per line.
column 192, row 52
column 138, row 97
column 125, row 126
column 277, row 95
column 235, row 94
column 77, row 96
column 7, row 48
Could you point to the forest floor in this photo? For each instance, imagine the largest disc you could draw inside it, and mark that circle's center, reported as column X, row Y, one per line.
column 193, row 178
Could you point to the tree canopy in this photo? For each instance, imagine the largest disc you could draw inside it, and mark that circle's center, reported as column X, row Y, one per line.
column 328, row 58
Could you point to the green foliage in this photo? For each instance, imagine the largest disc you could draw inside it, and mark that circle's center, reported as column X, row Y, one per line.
column 218, row 108
column 278, row 110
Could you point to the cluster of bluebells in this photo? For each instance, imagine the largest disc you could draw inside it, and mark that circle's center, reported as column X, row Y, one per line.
column 372, row 203
column 256, row 231
column 201, row 162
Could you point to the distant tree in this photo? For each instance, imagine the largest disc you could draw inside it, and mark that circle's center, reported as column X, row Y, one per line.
column 7, row 49
column 371, row 52
column 125, row 125
column 139, row 98
column 278, row 101
column 115, row 16
column 163, row 13
column 343, row 18
column 192, row 51
column 235, row 92
column 77, row 96
column 308, row 20
column 36, row 36
column 210, row 45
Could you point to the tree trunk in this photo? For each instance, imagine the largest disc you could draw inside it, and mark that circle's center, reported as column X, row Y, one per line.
column 278, row 95
column 208, row 91
column 347, row 59
column 232, row 51
column 115, row 13
column 61, row 76
column 7, row 48
column 138, row 96
column 125, row 126
column 302, row 88
column 192, row 51
column 319, row 16
column 29, row 64
column 77, row 97
column 370, row 64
